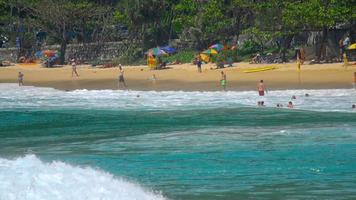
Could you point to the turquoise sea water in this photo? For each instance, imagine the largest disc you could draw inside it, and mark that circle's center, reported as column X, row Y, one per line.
column 176, row 145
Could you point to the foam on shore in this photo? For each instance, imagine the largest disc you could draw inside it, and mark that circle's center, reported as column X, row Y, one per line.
column 29, row 97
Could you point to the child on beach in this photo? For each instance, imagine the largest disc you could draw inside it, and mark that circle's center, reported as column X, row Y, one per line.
column 20, row 78
column 223, row 80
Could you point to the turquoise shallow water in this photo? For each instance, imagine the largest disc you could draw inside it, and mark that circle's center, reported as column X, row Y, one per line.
column 233, row 152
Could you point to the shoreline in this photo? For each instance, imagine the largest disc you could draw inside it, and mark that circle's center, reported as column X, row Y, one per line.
column 186, row 78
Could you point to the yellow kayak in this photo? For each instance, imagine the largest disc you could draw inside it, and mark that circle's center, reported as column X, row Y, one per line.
column 260, row 69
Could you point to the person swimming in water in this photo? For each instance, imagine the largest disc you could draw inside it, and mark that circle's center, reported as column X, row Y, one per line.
column 290, row 105
column 20, row 78
column 353, row 106
column 294, row 97
column 261, row 88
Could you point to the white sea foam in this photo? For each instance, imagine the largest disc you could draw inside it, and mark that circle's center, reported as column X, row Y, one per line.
column 28, row 178
column 29, row 97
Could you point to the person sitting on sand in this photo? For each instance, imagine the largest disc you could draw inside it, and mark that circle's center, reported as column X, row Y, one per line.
column 121, row 77
column 74, row 67
column 20, row 78
column 261, row 88
column 223, row 80
column 290, row 105
column 256, row 59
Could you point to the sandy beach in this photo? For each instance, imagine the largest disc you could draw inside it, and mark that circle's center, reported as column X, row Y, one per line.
column 185, row 77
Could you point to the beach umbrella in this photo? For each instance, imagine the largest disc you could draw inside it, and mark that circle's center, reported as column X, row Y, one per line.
column 353, row 46
column 204, row 58
column 169, row 49
column 156, row 52
column 217, row 47
column 39, row 54
column 210, row 52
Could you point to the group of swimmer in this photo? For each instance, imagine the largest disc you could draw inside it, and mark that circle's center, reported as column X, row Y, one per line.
column 261, row 88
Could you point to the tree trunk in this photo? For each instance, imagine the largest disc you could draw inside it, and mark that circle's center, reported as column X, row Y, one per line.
column 323, row 43
column 63, row 51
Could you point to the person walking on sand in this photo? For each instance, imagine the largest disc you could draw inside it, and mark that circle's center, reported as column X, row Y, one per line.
column 121, row 77
column 199, row 65
column 261, row 88
column 74, row 67
column 223, row 80
column 354, row 83
column 20, row 78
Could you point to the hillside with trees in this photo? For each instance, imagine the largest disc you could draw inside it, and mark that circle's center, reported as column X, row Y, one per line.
column 190, row 25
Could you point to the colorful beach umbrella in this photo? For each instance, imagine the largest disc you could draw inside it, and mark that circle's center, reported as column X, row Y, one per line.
column 210, row 52
column 353, row 46
column 156, row 52
column 204, row 58
column 217, row 47
column 169, row 49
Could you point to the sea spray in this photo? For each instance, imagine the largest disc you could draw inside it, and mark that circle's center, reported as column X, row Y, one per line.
column 28, row 178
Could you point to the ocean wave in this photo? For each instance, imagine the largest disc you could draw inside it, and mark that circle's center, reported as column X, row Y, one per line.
column 28, row 178
column 28, row 97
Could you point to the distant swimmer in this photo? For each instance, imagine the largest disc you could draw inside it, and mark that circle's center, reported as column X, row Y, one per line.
column 353, row 106
column 290, row 105
column 294, row 97
column 121, row 77
column 20, row 78
column 307, row 95
column 223, row 80
column 279, row 105
column 261, row 88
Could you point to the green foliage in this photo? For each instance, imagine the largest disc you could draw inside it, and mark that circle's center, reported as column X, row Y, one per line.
column 249, row 47
column 185, row 56
column 151, row 23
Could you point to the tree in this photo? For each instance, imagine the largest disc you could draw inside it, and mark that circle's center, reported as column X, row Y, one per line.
column 63, row 19
column 320, row 15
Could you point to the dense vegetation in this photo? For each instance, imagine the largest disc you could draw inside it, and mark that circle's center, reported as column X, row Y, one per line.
column 150, row 23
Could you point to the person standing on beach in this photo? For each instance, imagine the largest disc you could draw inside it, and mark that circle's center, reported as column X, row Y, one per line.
column 199, row 65
column 74, row 67
column 121, row 77
column 261, row 88
column 223, row 80
column 354, row 83
column 20, row 78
